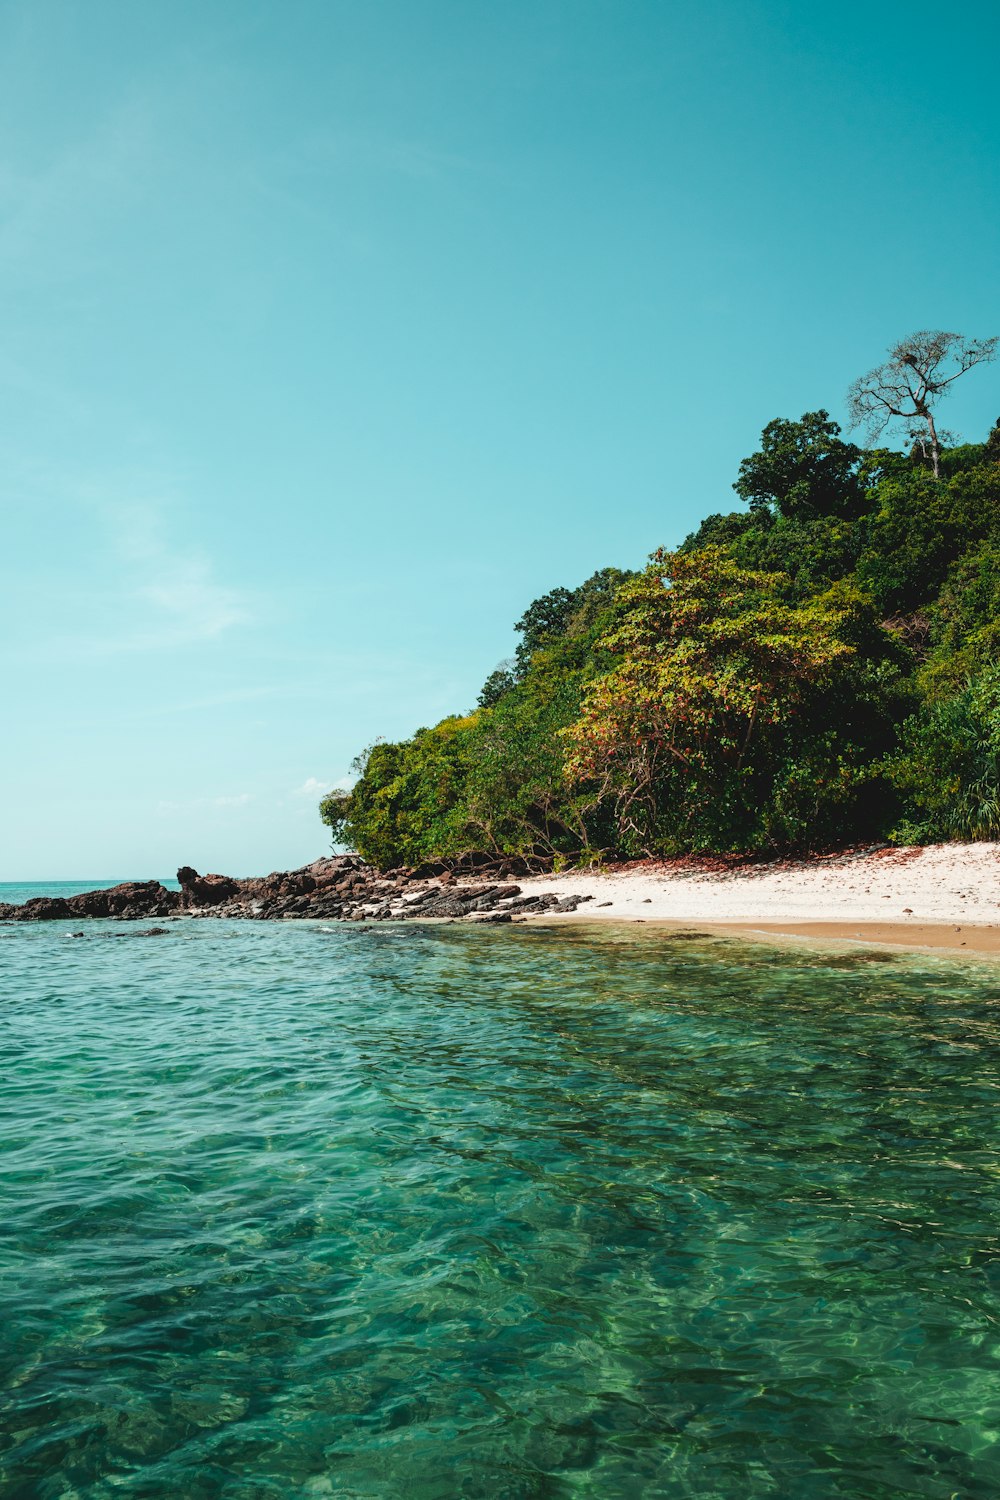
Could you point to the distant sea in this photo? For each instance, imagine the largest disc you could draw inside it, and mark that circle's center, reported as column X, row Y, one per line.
column 16, row 892
column 407, row 1212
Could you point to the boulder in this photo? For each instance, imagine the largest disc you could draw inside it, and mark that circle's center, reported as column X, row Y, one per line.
column 134, row 898
column 444, row 906
column 205, row 890
column 43, row 909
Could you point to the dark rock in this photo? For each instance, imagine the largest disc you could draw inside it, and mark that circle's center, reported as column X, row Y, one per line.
column 339, row 888
column 205, row 890
column 131, row 901
column 43, row 909
column 533, row 903
column 445, row 906
column 134, row 898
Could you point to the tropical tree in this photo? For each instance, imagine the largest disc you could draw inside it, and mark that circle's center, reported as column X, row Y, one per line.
column 712, row 663
column 565, row 612
column 804, row 470
column 903, row 391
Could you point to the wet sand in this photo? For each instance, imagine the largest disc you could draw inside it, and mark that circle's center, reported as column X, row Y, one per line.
column 970, row 939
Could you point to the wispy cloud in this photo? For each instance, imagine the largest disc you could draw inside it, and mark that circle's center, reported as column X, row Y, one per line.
column 177, row 581
column 312, row 787
column 149, row 588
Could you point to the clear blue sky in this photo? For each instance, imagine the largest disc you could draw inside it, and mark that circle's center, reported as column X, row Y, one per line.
column 334, row 333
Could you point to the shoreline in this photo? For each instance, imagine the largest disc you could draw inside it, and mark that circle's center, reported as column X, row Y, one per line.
column 943, row 896
column 972, row 940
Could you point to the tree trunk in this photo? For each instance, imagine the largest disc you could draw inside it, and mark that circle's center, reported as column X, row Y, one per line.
column 935, row 450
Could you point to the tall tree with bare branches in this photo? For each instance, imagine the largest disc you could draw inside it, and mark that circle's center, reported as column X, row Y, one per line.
column 903, row 392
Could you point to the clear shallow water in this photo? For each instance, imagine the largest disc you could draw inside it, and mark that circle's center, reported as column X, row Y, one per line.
column 428, row 1213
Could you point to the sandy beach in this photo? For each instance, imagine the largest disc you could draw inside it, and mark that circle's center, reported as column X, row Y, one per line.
column 945, row 896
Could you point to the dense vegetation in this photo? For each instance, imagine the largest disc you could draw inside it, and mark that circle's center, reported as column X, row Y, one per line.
column 818, row 667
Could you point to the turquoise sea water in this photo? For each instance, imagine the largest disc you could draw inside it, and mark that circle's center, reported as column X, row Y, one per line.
column 430, row 1212
column 17, row 892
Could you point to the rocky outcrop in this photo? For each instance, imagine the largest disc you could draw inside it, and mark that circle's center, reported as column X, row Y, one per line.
column 344, row 889
column 132, row 900
column 339, row 889
column 205, row 890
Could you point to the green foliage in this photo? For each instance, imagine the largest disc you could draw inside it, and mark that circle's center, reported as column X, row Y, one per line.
column 948, row 766
column 818, row 669
column 803, row 470
column 965, row 626
column 518, row 800
column 564, row 612
column 498, row 683
column 545, row 617
column 922, row 526
column 407, row 803
column 813, row 554
column 725, row 530
column 492, row 782
column 335, row 812
column 693, row 731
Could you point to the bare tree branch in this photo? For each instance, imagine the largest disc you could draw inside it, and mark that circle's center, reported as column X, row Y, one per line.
column 912, row 380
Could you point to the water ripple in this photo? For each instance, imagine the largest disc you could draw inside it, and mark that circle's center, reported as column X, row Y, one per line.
column 432, row 1213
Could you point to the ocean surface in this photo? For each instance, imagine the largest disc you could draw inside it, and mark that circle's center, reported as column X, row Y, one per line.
column 405, row 1213
column 17, row 892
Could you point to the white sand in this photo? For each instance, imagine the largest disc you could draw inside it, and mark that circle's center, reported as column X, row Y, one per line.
column 946, row 883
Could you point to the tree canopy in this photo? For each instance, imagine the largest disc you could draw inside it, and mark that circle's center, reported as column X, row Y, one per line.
column 814, row 669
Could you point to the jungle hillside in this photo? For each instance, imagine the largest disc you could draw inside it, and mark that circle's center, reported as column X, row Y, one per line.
column 817, row 667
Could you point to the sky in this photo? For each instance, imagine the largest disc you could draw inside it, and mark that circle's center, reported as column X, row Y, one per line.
column 335, row 333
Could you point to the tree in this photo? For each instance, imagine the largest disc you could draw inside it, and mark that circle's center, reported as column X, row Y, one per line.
column 903, row 392
column 804, row 470
column 564, row 612
column 543, row 617
column 712, row 669
column 501, row 681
